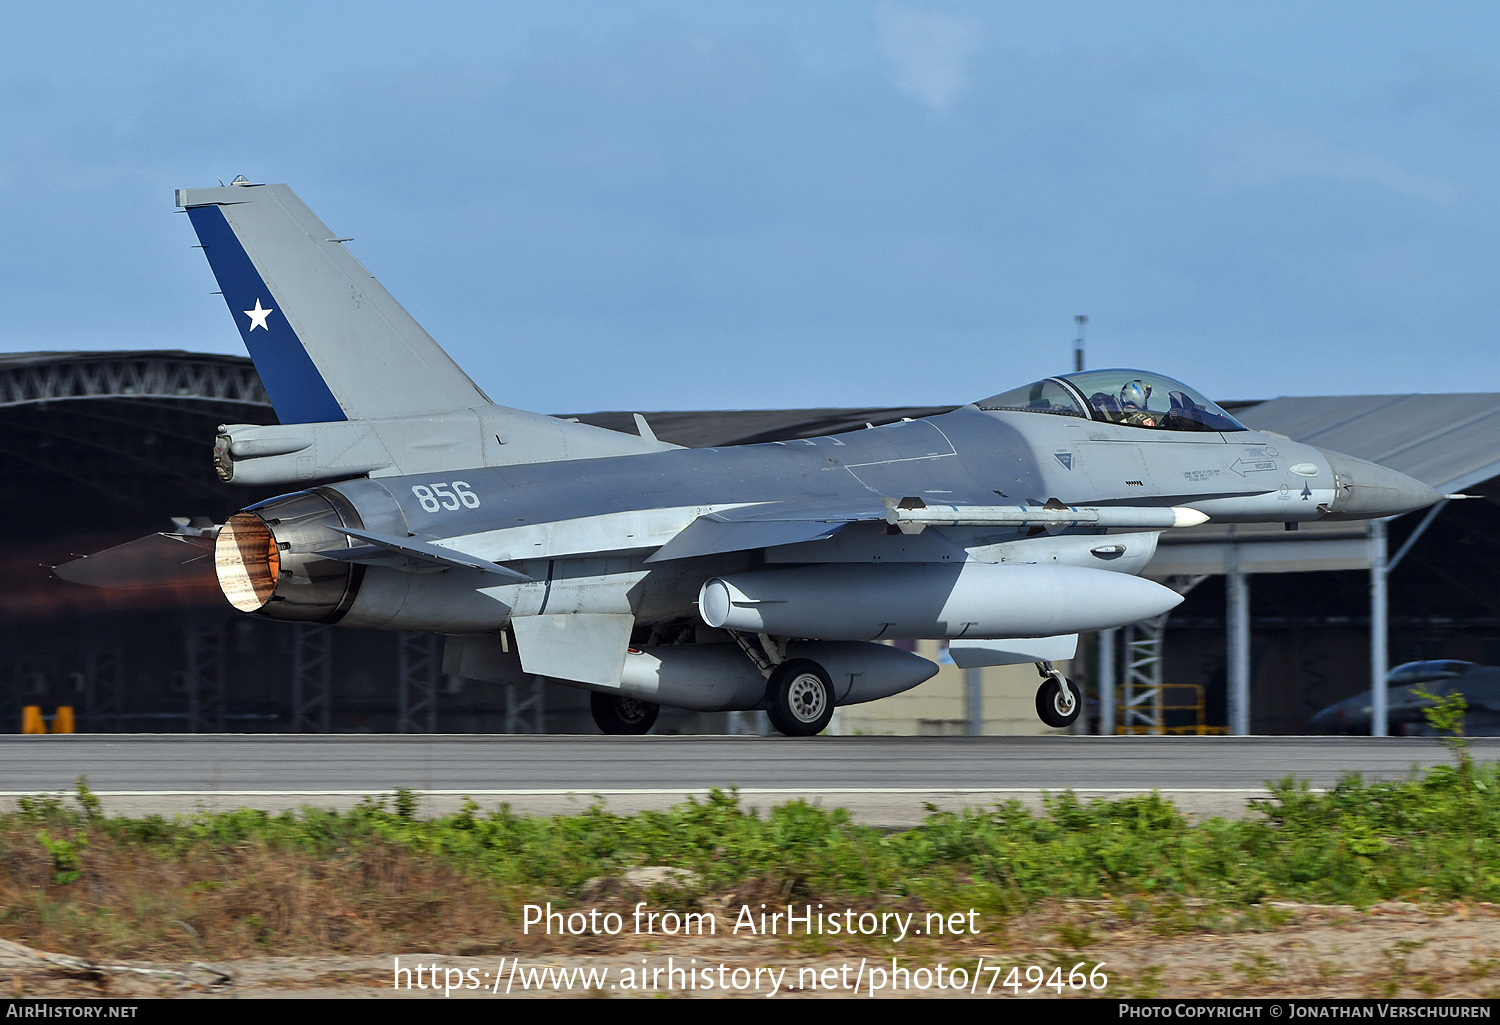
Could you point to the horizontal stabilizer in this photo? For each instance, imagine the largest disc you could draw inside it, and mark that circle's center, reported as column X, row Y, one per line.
column 422, row 551
column 156, row 560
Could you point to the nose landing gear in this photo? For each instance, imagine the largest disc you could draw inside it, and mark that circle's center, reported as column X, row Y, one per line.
column 1058, row 701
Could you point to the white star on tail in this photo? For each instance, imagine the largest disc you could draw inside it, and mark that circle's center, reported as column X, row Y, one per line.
column 258, row 316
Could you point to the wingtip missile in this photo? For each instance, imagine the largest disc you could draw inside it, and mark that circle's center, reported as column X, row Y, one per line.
column 912, row 514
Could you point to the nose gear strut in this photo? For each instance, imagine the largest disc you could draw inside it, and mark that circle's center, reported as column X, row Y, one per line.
column 1057, row 699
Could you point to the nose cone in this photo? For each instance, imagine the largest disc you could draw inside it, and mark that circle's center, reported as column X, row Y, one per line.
column 1365, row 491
column 1349, row 716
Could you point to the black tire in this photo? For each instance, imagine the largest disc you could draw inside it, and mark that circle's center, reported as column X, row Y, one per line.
column 619, row 715
column 799, row 698
column 1050, row 702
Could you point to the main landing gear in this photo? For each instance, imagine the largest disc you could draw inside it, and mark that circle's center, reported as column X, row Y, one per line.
column 619, row 715
column 799, row 698
column 1057, row 699
column 799, row 692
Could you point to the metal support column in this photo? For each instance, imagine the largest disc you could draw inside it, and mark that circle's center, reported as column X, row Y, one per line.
column 1379, row 652
column 203, row 675
column 1237, row 653
column 526, row 707
column 1142, row 706
column 974, row 701
column 312, row 678
column 1106, row 676
column 103, row 690
column 1381, row 569
column 419, row 668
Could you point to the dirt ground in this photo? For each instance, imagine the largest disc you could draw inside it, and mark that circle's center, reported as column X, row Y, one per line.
column 1176, row 950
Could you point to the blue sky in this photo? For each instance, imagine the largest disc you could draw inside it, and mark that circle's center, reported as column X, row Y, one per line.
column 665, row 205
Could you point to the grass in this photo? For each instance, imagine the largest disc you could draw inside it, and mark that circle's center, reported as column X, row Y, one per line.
column 381, row 879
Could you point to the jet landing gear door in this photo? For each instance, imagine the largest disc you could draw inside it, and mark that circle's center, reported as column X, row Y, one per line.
column 578, row 647
column 1058, row 700
column 972, row 653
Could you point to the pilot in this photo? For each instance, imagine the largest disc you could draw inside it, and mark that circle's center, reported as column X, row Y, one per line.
column 1133, row 399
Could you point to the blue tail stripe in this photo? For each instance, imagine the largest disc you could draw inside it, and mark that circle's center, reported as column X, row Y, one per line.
column 297, row 390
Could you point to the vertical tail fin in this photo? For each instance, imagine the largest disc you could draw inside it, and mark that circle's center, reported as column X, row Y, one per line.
column 329, row 342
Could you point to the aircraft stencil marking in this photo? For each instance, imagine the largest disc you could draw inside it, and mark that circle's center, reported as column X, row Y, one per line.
column 736, row 578
column 445, row 496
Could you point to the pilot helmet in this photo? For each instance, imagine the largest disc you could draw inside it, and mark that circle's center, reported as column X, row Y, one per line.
column 1135, row 394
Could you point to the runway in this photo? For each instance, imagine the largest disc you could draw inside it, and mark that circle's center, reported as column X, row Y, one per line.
column 885, row 781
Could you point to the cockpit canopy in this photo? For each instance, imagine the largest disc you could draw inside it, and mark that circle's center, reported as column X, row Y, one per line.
column 1133, row 398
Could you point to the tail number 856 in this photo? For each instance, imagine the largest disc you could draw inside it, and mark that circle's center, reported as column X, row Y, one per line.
column 445, row 496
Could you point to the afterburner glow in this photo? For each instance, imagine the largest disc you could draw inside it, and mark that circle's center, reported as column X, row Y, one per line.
column 247, row 562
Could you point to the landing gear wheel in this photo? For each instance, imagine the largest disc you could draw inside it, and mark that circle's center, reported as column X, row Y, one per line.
column 1058, row 701
column 799, row 698
column 618, row 715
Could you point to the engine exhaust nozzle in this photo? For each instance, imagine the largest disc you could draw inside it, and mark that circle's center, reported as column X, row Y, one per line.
column 247, row 561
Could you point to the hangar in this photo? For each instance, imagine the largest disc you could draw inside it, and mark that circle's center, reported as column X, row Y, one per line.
column 103, row 447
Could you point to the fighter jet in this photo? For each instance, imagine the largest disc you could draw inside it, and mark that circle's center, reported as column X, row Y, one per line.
column 1406, row 708
column 750, row 577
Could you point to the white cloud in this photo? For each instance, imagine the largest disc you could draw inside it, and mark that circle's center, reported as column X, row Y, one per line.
column 929, row 50
column 1260, row 154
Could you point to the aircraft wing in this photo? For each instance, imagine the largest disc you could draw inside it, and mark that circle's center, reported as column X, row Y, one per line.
column 763, row 526
column 785, row 523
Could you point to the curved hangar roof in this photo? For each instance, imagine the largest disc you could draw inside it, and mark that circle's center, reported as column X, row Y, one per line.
column 1450, row 442
column 104, row 441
